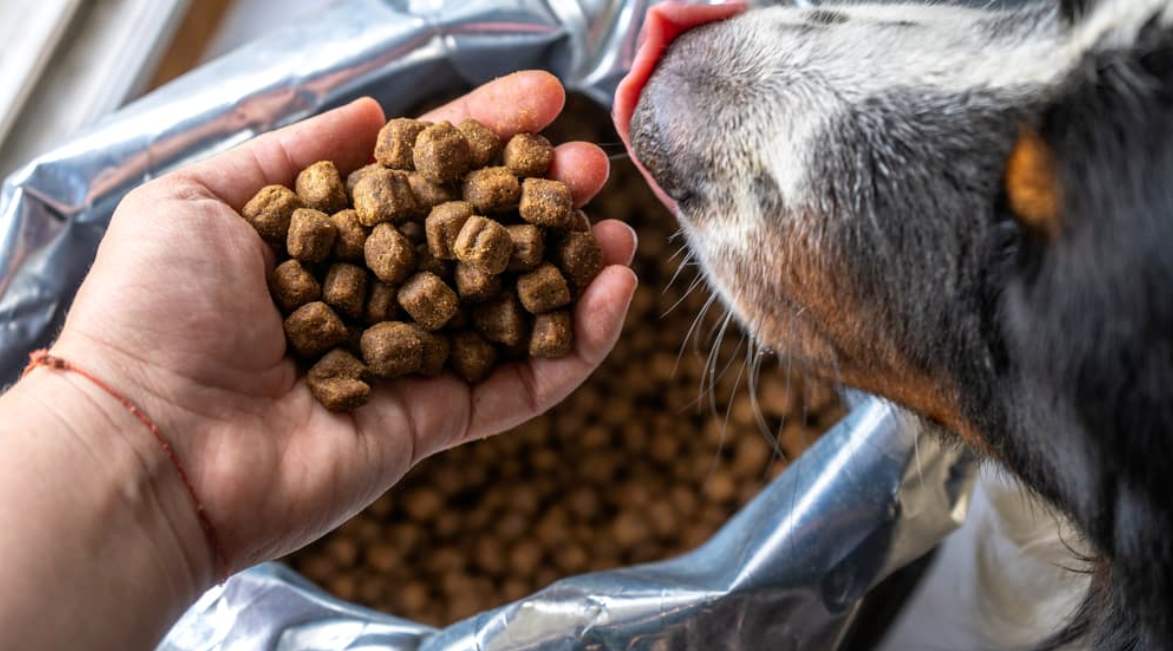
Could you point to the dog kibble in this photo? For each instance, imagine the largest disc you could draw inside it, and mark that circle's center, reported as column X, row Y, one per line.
column 403, row 264
column 441, row 153
column 270, row 212
column 351, row 236
column 492, row 189
column 428, row 300
column 393, row 349
column 293, row 286
column 345, row 289
column 313, row 329
column 553, row 335
column 435, row 354
column 311, row 235
column 546, row 203
column 579, row 256
column 529, row 154
column 472, row 357
column 474, row 285
column 484, row 244
column 428, row 262
column 320, row 187
column 396, row 143
column 543, row 289
column 381, row 304
column 502, row 321
column 383, row 195
column 389, row 254
column 354, row 177
column 528, row 247
column 427, row 194
column 443, row 226
column 483, row 143
column 337, row 381
column 579, row 221
column 414, row 232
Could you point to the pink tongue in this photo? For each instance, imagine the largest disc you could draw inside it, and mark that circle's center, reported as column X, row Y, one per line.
column 664, row 23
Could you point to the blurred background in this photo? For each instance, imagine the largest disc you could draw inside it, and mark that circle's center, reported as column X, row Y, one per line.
column 67, row 63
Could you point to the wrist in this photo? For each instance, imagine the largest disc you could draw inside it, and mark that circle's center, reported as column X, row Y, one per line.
column 106, row 505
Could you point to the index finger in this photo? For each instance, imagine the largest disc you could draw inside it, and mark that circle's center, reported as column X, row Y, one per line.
column 524, row 101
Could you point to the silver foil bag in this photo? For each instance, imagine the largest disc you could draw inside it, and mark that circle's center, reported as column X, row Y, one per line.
column 788, row 572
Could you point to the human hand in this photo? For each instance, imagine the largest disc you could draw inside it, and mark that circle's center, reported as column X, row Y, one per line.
column 176, row 315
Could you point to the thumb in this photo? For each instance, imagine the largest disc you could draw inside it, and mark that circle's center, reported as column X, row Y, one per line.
column 345, row 135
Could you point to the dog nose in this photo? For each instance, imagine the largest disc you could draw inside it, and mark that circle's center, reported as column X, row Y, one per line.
column 653, row 145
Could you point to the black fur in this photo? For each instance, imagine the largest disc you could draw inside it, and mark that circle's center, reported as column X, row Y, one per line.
column 1088, row 322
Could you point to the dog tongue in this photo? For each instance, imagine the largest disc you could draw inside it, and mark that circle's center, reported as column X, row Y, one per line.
column 664, row 23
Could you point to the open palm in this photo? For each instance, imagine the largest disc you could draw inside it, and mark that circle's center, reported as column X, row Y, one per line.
column 176, row 314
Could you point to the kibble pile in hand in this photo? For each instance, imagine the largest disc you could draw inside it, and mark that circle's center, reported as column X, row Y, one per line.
column 451, row 251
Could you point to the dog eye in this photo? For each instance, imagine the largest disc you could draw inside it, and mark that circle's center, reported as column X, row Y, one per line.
column 1031, row 184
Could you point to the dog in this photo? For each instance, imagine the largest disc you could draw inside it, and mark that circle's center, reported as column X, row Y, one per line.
column 965, row 211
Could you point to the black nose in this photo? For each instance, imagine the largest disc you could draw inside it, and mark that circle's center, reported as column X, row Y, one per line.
column 655, row 145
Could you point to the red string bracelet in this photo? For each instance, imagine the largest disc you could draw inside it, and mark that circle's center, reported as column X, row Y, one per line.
column 43, row 358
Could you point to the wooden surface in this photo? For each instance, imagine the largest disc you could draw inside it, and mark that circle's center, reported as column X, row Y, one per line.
column 198, row 27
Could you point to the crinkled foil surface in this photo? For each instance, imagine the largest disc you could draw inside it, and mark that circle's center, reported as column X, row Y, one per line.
column 788, row 572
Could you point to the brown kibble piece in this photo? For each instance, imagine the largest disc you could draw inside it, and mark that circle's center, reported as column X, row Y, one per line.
column 320, row 187
column 483, row 143
column 529, row 154
column 579, row 256
column 393, row 349
column 270, row 212
column 354, row 177
column 414, row 232
column 384, row 195
column 474, row 285
column 311, row 235
column 435, row 355
column 553, row 335
column 579, row 221
column 353, row 339
column 472, row 357
column 427, row 194
column 396, row 142
column 543, row 289
column 502, row 321
column 484, row 244
column 389, row 254
column 528, row 247
column 443, row 226
column 441, row 153
column 337, row 381
column 351, row 236
column 293, row 286
column 313, row 329
column 345, row 289
column 492, row 189
column 428, row 262
column 381, row 304
column 546, row 203
column 428, row 300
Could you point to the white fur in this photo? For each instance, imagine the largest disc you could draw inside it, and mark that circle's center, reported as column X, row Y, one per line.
column 1005, row 580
